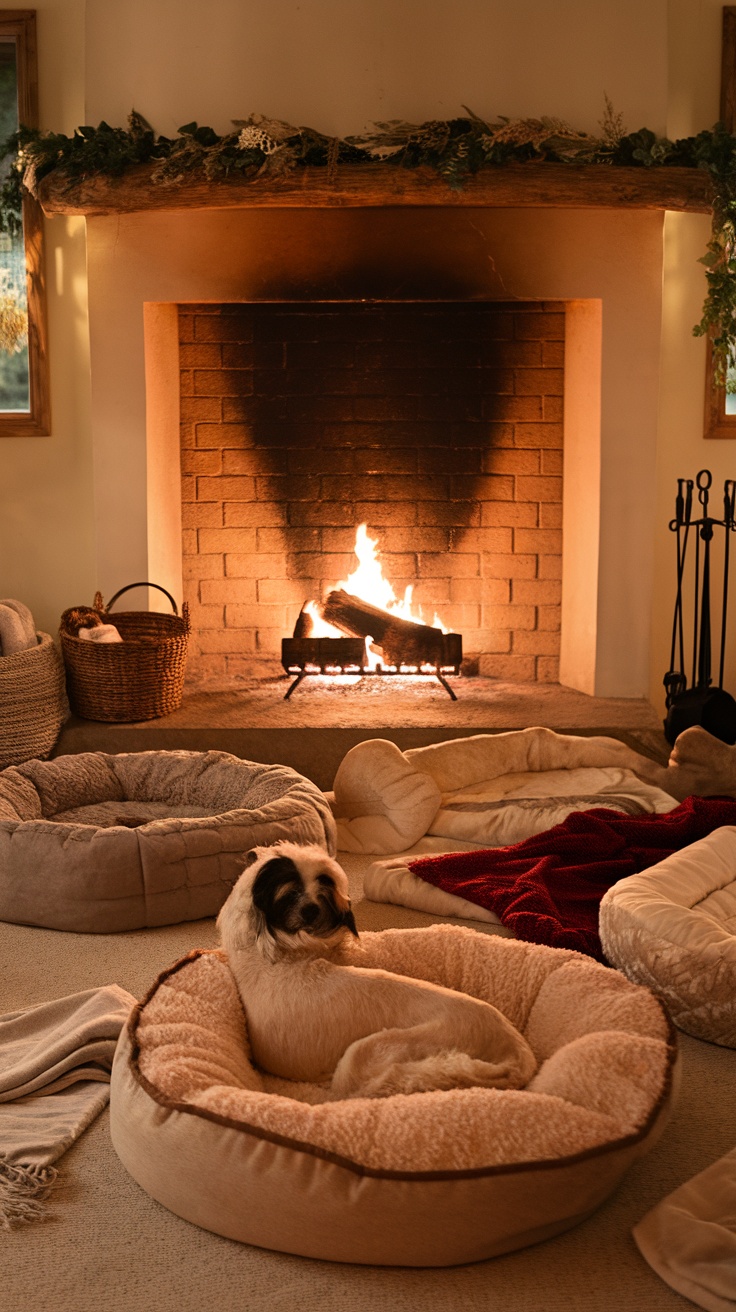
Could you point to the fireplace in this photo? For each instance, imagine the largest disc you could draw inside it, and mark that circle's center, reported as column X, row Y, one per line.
column 599, row 270
column 437, row 424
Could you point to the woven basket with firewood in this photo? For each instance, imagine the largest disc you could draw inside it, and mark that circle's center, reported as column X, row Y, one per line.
column 138, row 678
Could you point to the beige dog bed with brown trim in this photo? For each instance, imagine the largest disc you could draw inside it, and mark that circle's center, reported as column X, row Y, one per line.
column 99, row 843
column 673, row 928
column 422, row 1179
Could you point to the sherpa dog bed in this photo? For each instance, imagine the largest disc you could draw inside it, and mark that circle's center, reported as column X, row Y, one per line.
column 424, row 1179
column 100, row 843
column 673, row 928
column 490, row 789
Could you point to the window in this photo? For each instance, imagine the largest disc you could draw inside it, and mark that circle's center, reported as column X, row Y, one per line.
column 24, row 391
column 720, row 400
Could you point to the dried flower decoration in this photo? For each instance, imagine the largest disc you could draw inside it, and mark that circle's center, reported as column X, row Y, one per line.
column 612, row 126
column 253, row 138
column 257, row 132
column 13, row 318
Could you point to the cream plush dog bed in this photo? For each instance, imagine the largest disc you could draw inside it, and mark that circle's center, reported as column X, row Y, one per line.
column 489, row 789
column 673, row 928
column 425, row 1179
column 100, row 843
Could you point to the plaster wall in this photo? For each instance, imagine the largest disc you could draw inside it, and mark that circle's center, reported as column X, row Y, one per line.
column 47, row 552
column 694, row 92
column 338, row 67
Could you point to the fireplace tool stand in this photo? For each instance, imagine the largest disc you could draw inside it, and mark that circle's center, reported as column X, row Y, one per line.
column 701, row 703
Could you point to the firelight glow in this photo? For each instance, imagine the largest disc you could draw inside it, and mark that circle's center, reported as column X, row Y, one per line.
column 367, row 581
column 320, row 628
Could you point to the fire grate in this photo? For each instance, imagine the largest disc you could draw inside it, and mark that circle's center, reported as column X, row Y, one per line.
column 332, row 656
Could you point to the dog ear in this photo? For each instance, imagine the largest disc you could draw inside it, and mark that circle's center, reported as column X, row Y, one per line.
column 258, row 921
column 250, row 858
column 349, row 921
column 273, row 891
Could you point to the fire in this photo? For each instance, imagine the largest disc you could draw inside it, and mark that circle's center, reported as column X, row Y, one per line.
column 404, row 644
column 320, row 628
column 367, row 581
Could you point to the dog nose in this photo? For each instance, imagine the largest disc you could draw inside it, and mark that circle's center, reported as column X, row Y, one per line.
column 310, row 912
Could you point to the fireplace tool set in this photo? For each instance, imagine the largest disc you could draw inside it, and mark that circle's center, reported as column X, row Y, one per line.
column 699, row 703
column 408, row 647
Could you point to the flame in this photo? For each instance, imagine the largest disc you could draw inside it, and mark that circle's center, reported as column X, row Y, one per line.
column 320, row 627
column 367, row 582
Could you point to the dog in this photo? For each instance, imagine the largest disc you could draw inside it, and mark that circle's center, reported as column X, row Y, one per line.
column 314, row 1015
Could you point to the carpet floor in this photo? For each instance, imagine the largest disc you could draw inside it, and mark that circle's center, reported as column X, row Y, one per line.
column 105, row 1243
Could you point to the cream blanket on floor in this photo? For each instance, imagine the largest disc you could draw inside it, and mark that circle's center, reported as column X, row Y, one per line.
column 689, row 1239
column 55, row 1063
column 489, row 789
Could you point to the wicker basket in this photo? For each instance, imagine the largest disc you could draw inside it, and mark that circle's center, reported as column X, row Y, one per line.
column 33, row 703
column 141, row 677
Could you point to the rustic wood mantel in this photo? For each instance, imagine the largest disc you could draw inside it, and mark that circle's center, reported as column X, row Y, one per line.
column 378, row 185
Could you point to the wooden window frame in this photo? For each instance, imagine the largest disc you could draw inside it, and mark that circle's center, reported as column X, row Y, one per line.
column 18, row 26
column 717, row 423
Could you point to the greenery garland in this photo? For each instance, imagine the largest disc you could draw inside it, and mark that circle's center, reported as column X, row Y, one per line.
column 456, row 148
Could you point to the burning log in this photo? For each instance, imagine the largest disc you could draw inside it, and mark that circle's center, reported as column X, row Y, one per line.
column 303, row 626
column 403, row 642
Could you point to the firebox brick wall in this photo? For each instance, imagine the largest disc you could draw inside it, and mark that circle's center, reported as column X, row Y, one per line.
column 438, row 425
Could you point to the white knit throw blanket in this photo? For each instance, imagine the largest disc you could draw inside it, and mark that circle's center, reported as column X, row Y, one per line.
column 55, row 1063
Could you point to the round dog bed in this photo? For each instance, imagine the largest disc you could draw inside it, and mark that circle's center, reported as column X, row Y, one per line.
column 673, row 928
column 422, row 1179
column 100, row 843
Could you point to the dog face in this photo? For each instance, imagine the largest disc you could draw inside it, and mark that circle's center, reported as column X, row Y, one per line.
column 299, row 896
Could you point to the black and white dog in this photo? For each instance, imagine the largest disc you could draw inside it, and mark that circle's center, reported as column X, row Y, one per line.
column 315, row 1015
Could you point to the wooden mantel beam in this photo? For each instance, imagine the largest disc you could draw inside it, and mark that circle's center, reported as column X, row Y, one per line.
column 381, row 186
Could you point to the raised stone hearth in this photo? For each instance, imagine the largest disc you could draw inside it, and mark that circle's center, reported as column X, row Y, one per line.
column 323, row 720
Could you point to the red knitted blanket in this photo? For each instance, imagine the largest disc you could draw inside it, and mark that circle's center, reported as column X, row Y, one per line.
column 547, row 889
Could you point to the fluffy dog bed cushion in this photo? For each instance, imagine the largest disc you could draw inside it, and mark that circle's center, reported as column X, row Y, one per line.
column 424, row 1179
column 490, row 789
column 100, row 843
column 673, row 928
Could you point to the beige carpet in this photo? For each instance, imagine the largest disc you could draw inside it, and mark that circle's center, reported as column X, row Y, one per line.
column 107, row 1245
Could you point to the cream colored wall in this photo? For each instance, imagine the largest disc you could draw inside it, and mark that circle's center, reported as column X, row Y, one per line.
column 46, row 520
column 338, row 64
column 695, row 59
